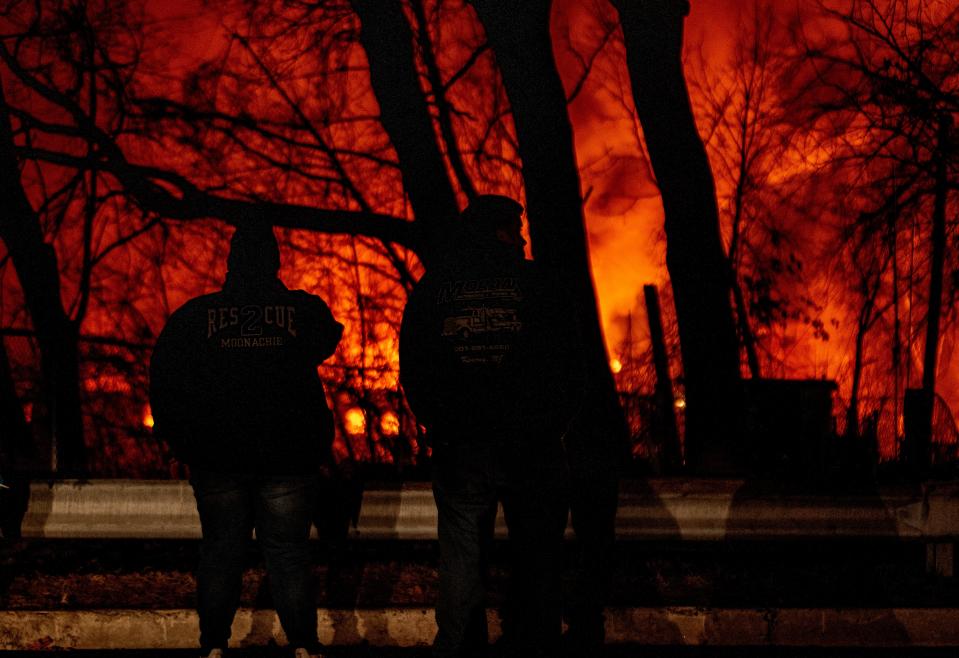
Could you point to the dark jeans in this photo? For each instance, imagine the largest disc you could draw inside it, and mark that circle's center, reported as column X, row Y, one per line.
column 279, row 507
column 468, row 480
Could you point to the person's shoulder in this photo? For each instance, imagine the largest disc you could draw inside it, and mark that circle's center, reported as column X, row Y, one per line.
column 192, row 313
column 196, row 305
column 305, row 298
column 540, row 273
column 435, row 279
column 540, row 267
column 430, row 276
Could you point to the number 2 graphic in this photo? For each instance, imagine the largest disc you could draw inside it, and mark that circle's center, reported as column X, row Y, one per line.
column 250, row 325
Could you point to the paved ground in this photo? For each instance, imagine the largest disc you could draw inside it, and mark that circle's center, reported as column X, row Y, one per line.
column 625, row 651
column 72, row 575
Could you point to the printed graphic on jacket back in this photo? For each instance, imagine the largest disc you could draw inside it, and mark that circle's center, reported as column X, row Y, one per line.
column 481, row 318
column 251, row 325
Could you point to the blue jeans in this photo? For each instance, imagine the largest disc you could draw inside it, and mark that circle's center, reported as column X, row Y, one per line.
column 279, row 507
column 531, row 481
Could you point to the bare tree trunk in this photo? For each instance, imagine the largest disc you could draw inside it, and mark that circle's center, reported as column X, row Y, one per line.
column 746, row 335
column 930, row 359
column 15, row 438
column 896, row 352
column 15, row 448
column 519, row 35
column 746, row 331
column 444, row 111
column 852, row 413
column 698, row 269
column 520, row 38
column 386, row 36
column 58, row 336
column 742, row 313
column 665, row 403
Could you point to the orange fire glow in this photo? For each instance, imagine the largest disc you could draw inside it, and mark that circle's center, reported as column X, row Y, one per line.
column 148, row 417
column 390, row 424
column 623, row 210
column 355, row 421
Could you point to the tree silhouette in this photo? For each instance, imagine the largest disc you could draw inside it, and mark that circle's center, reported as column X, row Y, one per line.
column 200, row 151
column 698, row 267
column 742, row 120
column 388, row 41
column 360, row 129
column 879, row 84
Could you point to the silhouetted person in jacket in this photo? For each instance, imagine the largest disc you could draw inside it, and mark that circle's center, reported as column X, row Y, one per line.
column 490, row 364
column 235, row 391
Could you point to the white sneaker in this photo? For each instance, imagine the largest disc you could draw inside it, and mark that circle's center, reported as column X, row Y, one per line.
column 303, row 653
column 214, row 653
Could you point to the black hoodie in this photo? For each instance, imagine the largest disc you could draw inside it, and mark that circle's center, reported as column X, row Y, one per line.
column 489, row 347
column 233, row 380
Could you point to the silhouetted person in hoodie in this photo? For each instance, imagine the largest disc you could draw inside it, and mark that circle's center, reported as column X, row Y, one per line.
column 490, row 364
column 234, row 390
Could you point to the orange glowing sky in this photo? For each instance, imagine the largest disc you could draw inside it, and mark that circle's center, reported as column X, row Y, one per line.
column 624, row 214
column 623, row 209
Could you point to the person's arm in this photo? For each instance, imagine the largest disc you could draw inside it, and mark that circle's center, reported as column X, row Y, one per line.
column 168, row 381
column 325, row 331
column 415, row 356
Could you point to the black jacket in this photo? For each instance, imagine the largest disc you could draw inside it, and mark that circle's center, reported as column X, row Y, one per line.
column 233, row 380
column 489, row 347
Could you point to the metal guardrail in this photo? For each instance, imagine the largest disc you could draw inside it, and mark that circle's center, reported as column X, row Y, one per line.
column 665, row 509
column 733, row 509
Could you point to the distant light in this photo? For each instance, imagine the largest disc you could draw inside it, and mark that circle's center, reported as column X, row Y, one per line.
column 681, row 403
column 390, row 424
column 355, row 421
column 616, row 366
column 148, row 417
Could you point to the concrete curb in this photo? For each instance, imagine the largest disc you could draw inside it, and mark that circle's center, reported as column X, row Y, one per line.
column 410, row 627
